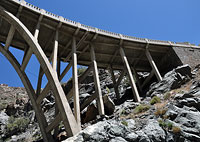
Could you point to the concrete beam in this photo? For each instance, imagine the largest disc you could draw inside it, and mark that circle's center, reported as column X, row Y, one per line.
column 97, row 83
column 29, row 53
column 132, row 82
column 123, row 72
column 75, row 83
column 54, row 123
column 65, row 71
column 55, row 52
column 39, row 84
column 137, row 78
column 148, row 78
column 12, row 30
column 114, row 82
column 153, row 65
column 88, row 101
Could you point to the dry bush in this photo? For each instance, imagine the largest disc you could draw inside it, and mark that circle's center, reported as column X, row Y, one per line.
column 176, row 129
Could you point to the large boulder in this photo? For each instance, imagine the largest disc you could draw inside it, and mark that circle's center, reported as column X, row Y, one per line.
column 172, row 80
column 154, row 131
column 104, row 131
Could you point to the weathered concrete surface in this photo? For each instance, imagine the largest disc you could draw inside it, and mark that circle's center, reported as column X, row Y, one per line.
column 188, row 55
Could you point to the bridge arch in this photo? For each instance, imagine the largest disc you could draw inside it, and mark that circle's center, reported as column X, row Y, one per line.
column 67, row 116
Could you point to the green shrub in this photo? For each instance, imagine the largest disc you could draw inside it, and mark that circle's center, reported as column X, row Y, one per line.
column 141, row 108
column 169, row 125
column 155, row 100
column 81, row 70
column 124, row 123
column 16, row 125
column 162, row 123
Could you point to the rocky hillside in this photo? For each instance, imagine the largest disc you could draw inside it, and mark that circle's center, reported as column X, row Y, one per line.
column 169, row 111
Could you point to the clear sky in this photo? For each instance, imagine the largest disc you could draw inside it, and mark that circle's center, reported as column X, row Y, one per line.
column 174, row 20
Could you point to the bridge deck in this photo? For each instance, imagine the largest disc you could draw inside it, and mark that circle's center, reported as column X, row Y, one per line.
column 106, row 43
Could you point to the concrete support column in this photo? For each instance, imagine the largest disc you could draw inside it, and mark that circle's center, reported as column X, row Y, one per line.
column 55, row 52
column 137, row 78
column 29, row 53
column 56, row 130
column 97, row 83
column 39, row 84
column 132, row 82
column 75, row 83
column 114, row 83
column 153, row 65
column 12, row 30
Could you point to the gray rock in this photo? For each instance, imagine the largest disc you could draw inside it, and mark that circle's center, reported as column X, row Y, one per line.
column 171, row 114
column 118, row 139
column 131, row 137
column 102, row 131
column 3, row 118
column 154, row 131
column 131, row 124
column 191, row 137
column 171, row 80
column 142, row 137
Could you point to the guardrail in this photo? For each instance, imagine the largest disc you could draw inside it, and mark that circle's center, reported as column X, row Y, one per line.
column 104, row 32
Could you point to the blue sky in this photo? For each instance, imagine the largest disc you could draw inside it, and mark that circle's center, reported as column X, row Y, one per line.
column 174, row 20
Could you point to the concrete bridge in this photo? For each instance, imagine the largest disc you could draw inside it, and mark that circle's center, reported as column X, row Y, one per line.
column 54, row 39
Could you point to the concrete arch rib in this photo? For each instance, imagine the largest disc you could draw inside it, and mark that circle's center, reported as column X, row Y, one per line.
column 66, row 112
column 31, row 93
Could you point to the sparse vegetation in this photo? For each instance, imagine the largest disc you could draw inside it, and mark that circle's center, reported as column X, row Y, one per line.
column 160, row 112
column 167, row 96
column 16, row 125
column 155, row 100
column 162, row 123
column 176, row 129
column 141, row 108
column 165, row 125
column 125, row 123
column 169, row 125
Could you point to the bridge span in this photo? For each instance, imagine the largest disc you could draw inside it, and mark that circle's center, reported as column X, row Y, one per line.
column 54, row 39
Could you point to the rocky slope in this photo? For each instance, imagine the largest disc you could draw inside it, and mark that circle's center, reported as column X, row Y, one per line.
column 170, row 111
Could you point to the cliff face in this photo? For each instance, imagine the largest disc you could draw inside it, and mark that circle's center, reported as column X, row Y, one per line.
column 170, row 111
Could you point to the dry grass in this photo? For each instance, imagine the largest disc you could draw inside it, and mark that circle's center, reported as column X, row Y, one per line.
column 161, row 109
column 160, row 112
column 176, row 129
column 183, row 88
column 161, row 105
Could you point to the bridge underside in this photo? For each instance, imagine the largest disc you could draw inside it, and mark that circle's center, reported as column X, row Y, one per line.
column 53, row 41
